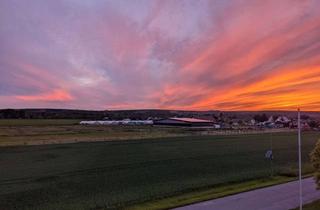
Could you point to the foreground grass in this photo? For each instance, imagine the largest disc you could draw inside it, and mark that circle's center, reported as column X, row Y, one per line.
column 209, row 194
column 123, row 174
column 311, row 206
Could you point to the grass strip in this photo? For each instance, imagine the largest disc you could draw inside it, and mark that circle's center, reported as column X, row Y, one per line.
column 209, row 194
column 315, row 205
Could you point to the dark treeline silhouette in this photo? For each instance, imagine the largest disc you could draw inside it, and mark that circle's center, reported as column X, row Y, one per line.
column 260, row 116
column 50, row 114
column 88, row 114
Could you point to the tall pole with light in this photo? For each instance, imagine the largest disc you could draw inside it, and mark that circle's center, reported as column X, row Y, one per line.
column 299, row 145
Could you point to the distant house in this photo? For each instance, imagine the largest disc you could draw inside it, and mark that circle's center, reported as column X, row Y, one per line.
column 270, row 120
column 176, row 121
column 305, row 126
column 282, row 121
column 216, row 126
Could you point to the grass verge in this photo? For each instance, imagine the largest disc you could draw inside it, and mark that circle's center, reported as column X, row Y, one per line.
column 311, row 206
column 209, row 194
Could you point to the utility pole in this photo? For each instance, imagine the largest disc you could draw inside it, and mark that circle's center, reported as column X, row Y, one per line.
column 271, row 159
column 299, row 145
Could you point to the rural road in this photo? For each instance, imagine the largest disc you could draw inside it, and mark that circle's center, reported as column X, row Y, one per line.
column 279, row 197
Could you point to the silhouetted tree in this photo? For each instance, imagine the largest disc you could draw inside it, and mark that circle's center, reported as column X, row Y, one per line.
column 315, row 160
column 260, row 118
column 313, row 124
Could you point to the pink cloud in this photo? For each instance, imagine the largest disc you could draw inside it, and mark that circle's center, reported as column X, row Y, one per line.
column 159, row 54
column 53, row 96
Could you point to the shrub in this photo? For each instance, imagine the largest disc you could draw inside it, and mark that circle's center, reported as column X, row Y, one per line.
column 315, row 160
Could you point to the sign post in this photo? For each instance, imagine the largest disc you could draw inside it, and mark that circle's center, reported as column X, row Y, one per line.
column 269, row 156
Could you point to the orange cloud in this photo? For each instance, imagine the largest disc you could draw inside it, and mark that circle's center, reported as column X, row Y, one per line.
column 56, row 95
column 226, row 55
column 286, row 90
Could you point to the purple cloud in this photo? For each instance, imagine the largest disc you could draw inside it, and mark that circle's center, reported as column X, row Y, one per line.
column 157, row 54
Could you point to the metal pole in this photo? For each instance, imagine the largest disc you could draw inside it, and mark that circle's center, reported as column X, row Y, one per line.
column 271, row 156
column 299, row 144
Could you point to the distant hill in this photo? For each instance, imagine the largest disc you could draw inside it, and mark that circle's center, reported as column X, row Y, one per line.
column 137, row 114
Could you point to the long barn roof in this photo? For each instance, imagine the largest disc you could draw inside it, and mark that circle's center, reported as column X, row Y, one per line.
column 191, row 120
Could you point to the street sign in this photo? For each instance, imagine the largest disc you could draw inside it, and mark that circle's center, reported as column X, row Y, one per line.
column 269, row 155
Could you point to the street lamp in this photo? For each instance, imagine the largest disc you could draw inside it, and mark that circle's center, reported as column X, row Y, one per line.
column 299, row 145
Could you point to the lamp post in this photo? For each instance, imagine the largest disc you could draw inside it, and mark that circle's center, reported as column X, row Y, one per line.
column 299, row 145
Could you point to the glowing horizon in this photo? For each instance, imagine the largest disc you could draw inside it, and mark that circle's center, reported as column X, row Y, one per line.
column 141, row 54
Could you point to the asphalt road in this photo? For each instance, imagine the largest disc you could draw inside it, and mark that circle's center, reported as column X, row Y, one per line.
column 279, row 197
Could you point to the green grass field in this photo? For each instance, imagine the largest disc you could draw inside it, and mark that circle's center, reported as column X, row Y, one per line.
column 41, row 131
column 120, row 174
column 57, row 131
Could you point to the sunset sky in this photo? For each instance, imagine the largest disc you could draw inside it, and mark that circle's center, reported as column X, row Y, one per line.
column 168, row 54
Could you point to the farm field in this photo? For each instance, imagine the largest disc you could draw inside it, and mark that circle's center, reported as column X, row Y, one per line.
column 35, row 132
column 55, row 131
column 120, row 174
